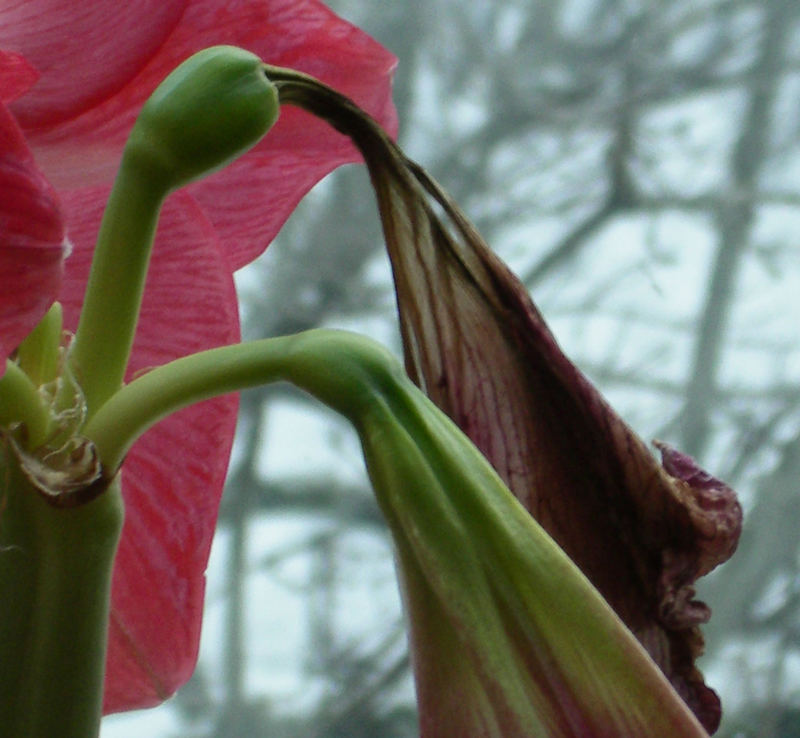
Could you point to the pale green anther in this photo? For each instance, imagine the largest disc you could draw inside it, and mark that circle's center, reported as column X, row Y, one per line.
column 210, row 110
column 39, row 354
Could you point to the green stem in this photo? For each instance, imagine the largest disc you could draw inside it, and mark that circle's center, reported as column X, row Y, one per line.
column 104, row 336
column 162, row 391
column 211, row 109
column 58, row 564
column 337, row 367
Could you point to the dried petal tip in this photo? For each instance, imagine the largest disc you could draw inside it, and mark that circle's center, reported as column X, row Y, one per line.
column 709, row 538
column 712, row 504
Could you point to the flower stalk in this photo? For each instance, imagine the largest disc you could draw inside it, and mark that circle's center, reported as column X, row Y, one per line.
column 62, row 512
column 103, row 340
column 57, row 562
column 210, row 110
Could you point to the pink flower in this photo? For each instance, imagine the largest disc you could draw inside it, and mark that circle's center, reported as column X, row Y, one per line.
column 75, row 80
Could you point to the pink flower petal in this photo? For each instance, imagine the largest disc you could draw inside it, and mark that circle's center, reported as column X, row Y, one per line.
column 172, row 483
column 17, row 74
column 84, row 150
column 32, row 243
column 173, row 477
column 84, row 52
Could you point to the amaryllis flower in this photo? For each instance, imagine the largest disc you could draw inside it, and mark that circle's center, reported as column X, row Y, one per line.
column 640, row 530
column 75, row 78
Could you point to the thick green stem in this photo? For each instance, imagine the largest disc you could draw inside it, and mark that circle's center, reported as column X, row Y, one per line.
column 110, row 311
column 56, row 565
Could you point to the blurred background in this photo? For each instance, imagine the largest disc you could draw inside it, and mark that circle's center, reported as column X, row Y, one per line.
column 638, row 164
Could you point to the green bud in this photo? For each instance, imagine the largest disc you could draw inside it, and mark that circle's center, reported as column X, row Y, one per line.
column 211, row 109
column 214, row 107
column 508, row 636
column 38, row 354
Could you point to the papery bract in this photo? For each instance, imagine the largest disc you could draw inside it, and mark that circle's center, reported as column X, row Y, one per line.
column 473, row 339
column 641, row 532
column 97, row 66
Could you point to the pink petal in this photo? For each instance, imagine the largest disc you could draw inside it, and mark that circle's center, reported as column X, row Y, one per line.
column 32, row 243
column 84, row 52
column 83, row 149
column 173, row 477
column 172, row 482
column 16, row 75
